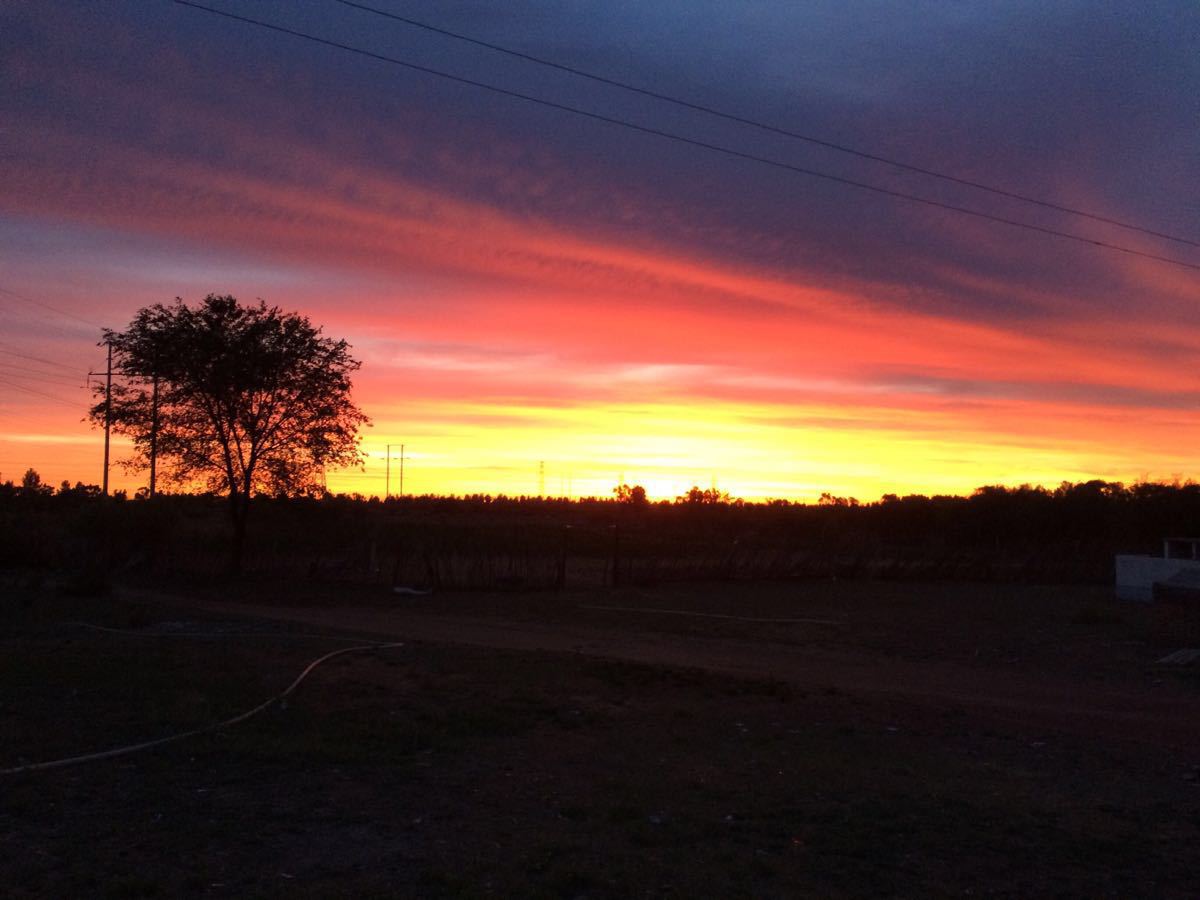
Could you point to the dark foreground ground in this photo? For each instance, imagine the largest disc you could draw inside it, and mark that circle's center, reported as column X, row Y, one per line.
column 906, row 740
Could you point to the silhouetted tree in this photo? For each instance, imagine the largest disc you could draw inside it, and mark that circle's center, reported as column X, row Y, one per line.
column 32, row 485
column 249, row 399
column 630, row 495
column 697, row 497
column 79, row 491
column 828, row 499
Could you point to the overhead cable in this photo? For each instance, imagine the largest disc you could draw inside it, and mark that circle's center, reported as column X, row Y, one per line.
column 764, row 126
column 44, row 305
column 40, row 359
column 837, row 179
column 19, row 387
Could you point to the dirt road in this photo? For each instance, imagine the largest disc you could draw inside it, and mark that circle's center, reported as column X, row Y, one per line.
column 1139, row 705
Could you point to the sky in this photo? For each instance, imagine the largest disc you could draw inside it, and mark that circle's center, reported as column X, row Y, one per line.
column 529, row 287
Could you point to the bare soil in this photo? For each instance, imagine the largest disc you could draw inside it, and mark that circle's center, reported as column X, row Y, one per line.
column 906, row 740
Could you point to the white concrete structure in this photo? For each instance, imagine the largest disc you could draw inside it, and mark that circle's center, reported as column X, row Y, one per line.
column 1178, row 567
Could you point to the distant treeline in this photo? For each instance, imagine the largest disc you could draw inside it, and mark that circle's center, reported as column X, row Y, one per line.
column 1027, row 533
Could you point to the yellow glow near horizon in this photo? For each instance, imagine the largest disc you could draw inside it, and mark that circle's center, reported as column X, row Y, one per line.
column 751, row 452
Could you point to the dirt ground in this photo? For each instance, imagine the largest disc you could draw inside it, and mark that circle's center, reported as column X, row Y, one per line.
column 807, row 739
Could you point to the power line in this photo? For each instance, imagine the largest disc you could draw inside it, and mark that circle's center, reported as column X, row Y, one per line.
column 764, row 126
column 32, row 374
column 29, row 390
column 44, row 305
column 837, row 179
column 40, row 359
column 36, row 369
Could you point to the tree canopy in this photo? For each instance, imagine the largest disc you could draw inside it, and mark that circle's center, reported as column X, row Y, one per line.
column 631, row 495
column 242, row 399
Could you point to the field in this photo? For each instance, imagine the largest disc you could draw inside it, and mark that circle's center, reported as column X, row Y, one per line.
column 813, row 738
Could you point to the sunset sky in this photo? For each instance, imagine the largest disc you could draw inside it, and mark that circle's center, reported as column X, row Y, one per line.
column 524, row 285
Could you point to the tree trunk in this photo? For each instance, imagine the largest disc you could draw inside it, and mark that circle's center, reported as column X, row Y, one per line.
column 239, row 508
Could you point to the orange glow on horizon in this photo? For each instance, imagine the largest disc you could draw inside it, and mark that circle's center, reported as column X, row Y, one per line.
column 496, row 339
column 755, row 453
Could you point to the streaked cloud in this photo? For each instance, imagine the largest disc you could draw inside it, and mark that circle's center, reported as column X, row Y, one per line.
column 525, row 286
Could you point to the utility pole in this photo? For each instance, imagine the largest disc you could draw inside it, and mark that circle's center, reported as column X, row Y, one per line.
column 153, row 434
column 107, row 411
column 154, row 418
column 542, row 478
column 388, row 474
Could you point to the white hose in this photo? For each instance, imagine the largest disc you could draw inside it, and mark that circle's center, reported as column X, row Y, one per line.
column 242, row 717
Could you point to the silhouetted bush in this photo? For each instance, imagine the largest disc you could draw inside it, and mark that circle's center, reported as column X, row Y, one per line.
column 1026, row 534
